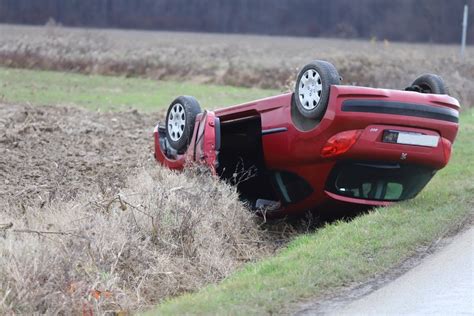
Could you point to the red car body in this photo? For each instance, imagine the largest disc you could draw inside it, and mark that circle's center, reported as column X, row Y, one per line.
column 313, row 166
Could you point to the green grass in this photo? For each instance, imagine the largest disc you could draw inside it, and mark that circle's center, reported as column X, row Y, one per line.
column 345, row 252
column 113, row 93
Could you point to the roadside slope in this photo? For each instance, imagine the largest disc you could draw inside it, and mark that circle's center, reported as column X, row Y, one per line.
column 345, row 253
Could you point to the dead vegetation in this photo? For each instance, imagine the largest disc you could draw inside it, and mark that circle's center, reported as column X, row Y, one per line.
column 238, row 60
column 161, row 235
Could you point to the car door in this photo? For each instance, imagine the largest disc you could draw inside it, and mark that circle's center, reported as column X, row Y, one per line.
column 207, row 144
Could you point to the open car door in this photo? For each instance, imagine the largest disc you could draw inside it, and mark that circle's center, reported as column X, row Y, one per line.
column 207, row 144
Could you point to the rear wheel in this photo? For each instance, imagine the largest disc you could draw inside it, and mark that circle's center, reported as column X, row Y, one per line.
column 180, row 120
column 312, row 88
column 429, row 83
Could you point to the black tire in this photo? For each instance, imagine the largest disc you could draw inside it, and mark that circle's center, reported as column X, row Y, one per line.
column 314, row 79
column 429, row 83
column 180, row 120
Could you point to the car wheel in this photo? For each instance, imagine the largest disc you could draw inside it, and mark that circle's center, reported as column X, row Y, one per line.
column 429, row 83
column 312, row 88
column 180, row 120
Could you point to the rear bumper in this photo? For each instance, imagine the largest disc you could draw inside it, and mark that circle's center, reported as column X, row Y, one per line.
column 401, row 108
column 377, row 110
column 361, row 107
column 370, row 146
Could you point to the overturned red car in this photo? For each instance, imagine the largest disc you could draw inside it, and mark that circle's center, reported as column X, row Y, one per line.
column 324, row 146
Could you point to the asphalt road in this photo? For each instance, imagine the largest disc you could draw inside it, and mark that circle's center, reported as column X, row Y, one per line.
column 442, row 284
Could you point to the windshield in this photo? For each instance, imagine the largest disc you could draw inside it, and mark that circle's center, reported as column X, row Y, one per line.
column 381, row 182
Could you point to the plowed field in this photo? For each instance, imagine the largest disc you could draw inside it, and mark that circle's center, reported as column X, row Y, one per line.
column 48, row 152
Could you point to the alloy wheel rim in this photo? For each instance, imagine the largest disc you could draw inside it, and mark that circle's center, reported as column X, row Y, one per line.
column 176, row 122
column 310, row 89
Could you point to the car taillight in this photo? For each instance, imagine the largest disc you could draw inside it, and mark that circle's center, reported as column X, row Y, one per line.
column 340, row 143
column 447, row 147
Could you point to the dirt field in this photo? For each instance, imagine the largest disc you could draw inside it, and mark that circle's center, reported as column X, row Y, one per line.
column 239, row 60
column 58, row 152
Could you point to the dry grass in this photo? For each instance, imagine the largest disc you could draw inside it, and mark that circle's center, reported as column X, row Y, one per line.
column 240, row 60
column 159, row 237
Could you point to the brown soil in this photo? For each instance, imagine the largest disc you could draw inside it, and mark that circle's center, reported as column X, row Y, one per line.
column 57, row 152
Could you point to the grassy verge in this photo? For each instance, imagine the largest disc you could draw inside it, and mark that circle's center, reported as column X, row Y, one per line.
column 113, row 93
column 345, row 252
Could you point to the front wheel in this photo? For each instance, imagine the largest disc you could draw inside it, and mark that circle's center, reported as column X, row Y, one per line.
column 180, row 120
column 312, row 88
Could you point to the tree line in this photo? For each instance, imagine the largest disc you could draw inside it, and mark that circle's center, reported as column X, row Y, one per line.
column 396, row 20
